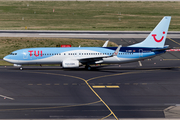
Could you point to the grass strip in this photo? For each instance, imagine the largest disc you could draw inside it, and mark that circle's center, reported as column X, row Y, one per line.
column 87, row 15
column 8, row 44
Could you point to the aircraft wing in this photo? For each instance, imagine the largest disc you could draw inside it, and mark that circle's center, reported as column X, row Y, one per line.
column 91, row 60
column 98, row 60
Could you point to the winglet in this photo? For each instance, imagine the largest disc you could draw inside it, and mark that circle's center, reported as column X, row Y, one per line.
column 105, row 44
column 117, row 51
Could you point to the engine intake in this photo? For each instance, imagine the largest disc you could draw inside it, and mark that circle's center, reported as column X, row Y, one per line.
column 70, row 64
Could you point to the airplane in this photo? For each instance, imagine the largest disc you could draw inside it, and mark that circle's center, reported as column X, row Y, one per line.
column 74, row 57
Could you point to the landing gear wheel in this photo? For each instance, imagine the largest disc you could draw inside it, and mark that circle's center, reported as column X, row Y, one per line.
column 88, row 67
column 21, row 68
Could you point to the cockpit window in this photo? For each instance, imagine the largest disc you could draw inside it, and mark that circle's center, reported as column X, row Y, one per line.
column 13, row 54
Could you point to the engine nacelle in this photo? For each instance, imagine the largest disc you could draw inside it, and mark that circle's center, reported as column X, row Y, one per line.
column 17, row 65
column 70, row 64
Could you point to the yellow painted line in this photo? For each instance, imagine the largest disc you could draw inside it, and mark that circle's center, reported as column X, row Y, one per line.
column 56, row 84
column 112, row 86
column 99, row 86
column 82, row 83
column 126, row 83
column 107, row 86
column 30, row 84
column 116, row 75
column 40, row 108
column 86, row 81
column 91, row 83
column 144, row 83
column 106, row 116
column 173, row 40
column 135, row 83
column 65, row 84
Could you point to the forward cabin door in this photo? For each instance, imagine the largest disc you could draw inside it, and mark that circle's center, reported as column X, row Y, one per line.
column 25, row 54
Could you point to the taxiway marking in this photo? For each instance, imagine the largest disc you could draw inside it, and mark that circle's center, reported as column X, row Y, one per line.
column 115, row 75
column 107, row 86
column 135, row 83
column 171, row 59
column 86, row 81
column 74, row 83
column 99, row 86
column 39, row 108
column 144, row 83
column 106, row 116
column 173, row 40
column 113, row 86
column 101, row 100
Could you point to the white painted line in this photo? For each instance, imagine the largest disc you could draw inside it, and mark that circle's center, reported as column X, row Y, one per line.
column 73, row 34
column 5, row 97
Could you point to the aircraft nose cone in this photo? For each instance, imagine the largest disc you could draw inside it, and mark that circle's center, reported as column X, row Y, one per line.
column 5, row 58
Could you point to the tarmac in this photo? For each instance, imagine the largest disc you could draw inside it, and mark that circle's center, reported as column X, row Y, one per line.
column 127, row 91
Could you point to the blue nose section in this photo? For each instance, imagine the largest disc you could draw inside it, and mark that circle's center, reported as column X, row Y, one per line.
column 6, row 58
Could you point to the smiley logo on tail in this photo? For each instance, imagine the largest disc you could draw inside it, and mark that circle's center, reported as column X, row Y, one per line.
column 154, row 36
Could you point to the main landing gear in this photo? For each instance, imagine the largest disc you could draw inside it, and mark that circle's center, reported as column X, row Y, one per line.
column 88, row 67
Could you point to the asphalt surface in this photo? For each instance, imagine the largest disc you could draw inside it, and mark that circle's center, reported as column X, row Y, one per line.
column 80, row 34
column 95, row 0
column 113, row 91
column 53, row 92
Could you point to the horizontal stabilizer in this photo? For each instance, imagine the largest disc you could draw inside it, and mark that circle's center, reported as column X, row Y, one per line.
column 161, row 49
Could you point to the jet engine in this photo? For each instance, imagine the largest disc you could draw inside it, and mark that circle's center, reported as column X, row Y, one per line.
column 70, row 64
column 17, row 65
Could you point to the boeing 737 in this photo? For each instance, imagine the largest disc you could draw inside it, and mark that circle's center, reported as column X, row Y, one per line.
column 73, row 57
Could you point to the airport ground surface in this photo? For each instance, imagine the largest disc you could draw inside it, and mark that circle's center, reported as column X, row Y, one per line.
column 129, row 90
column 125, row 91
column 94, row 0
